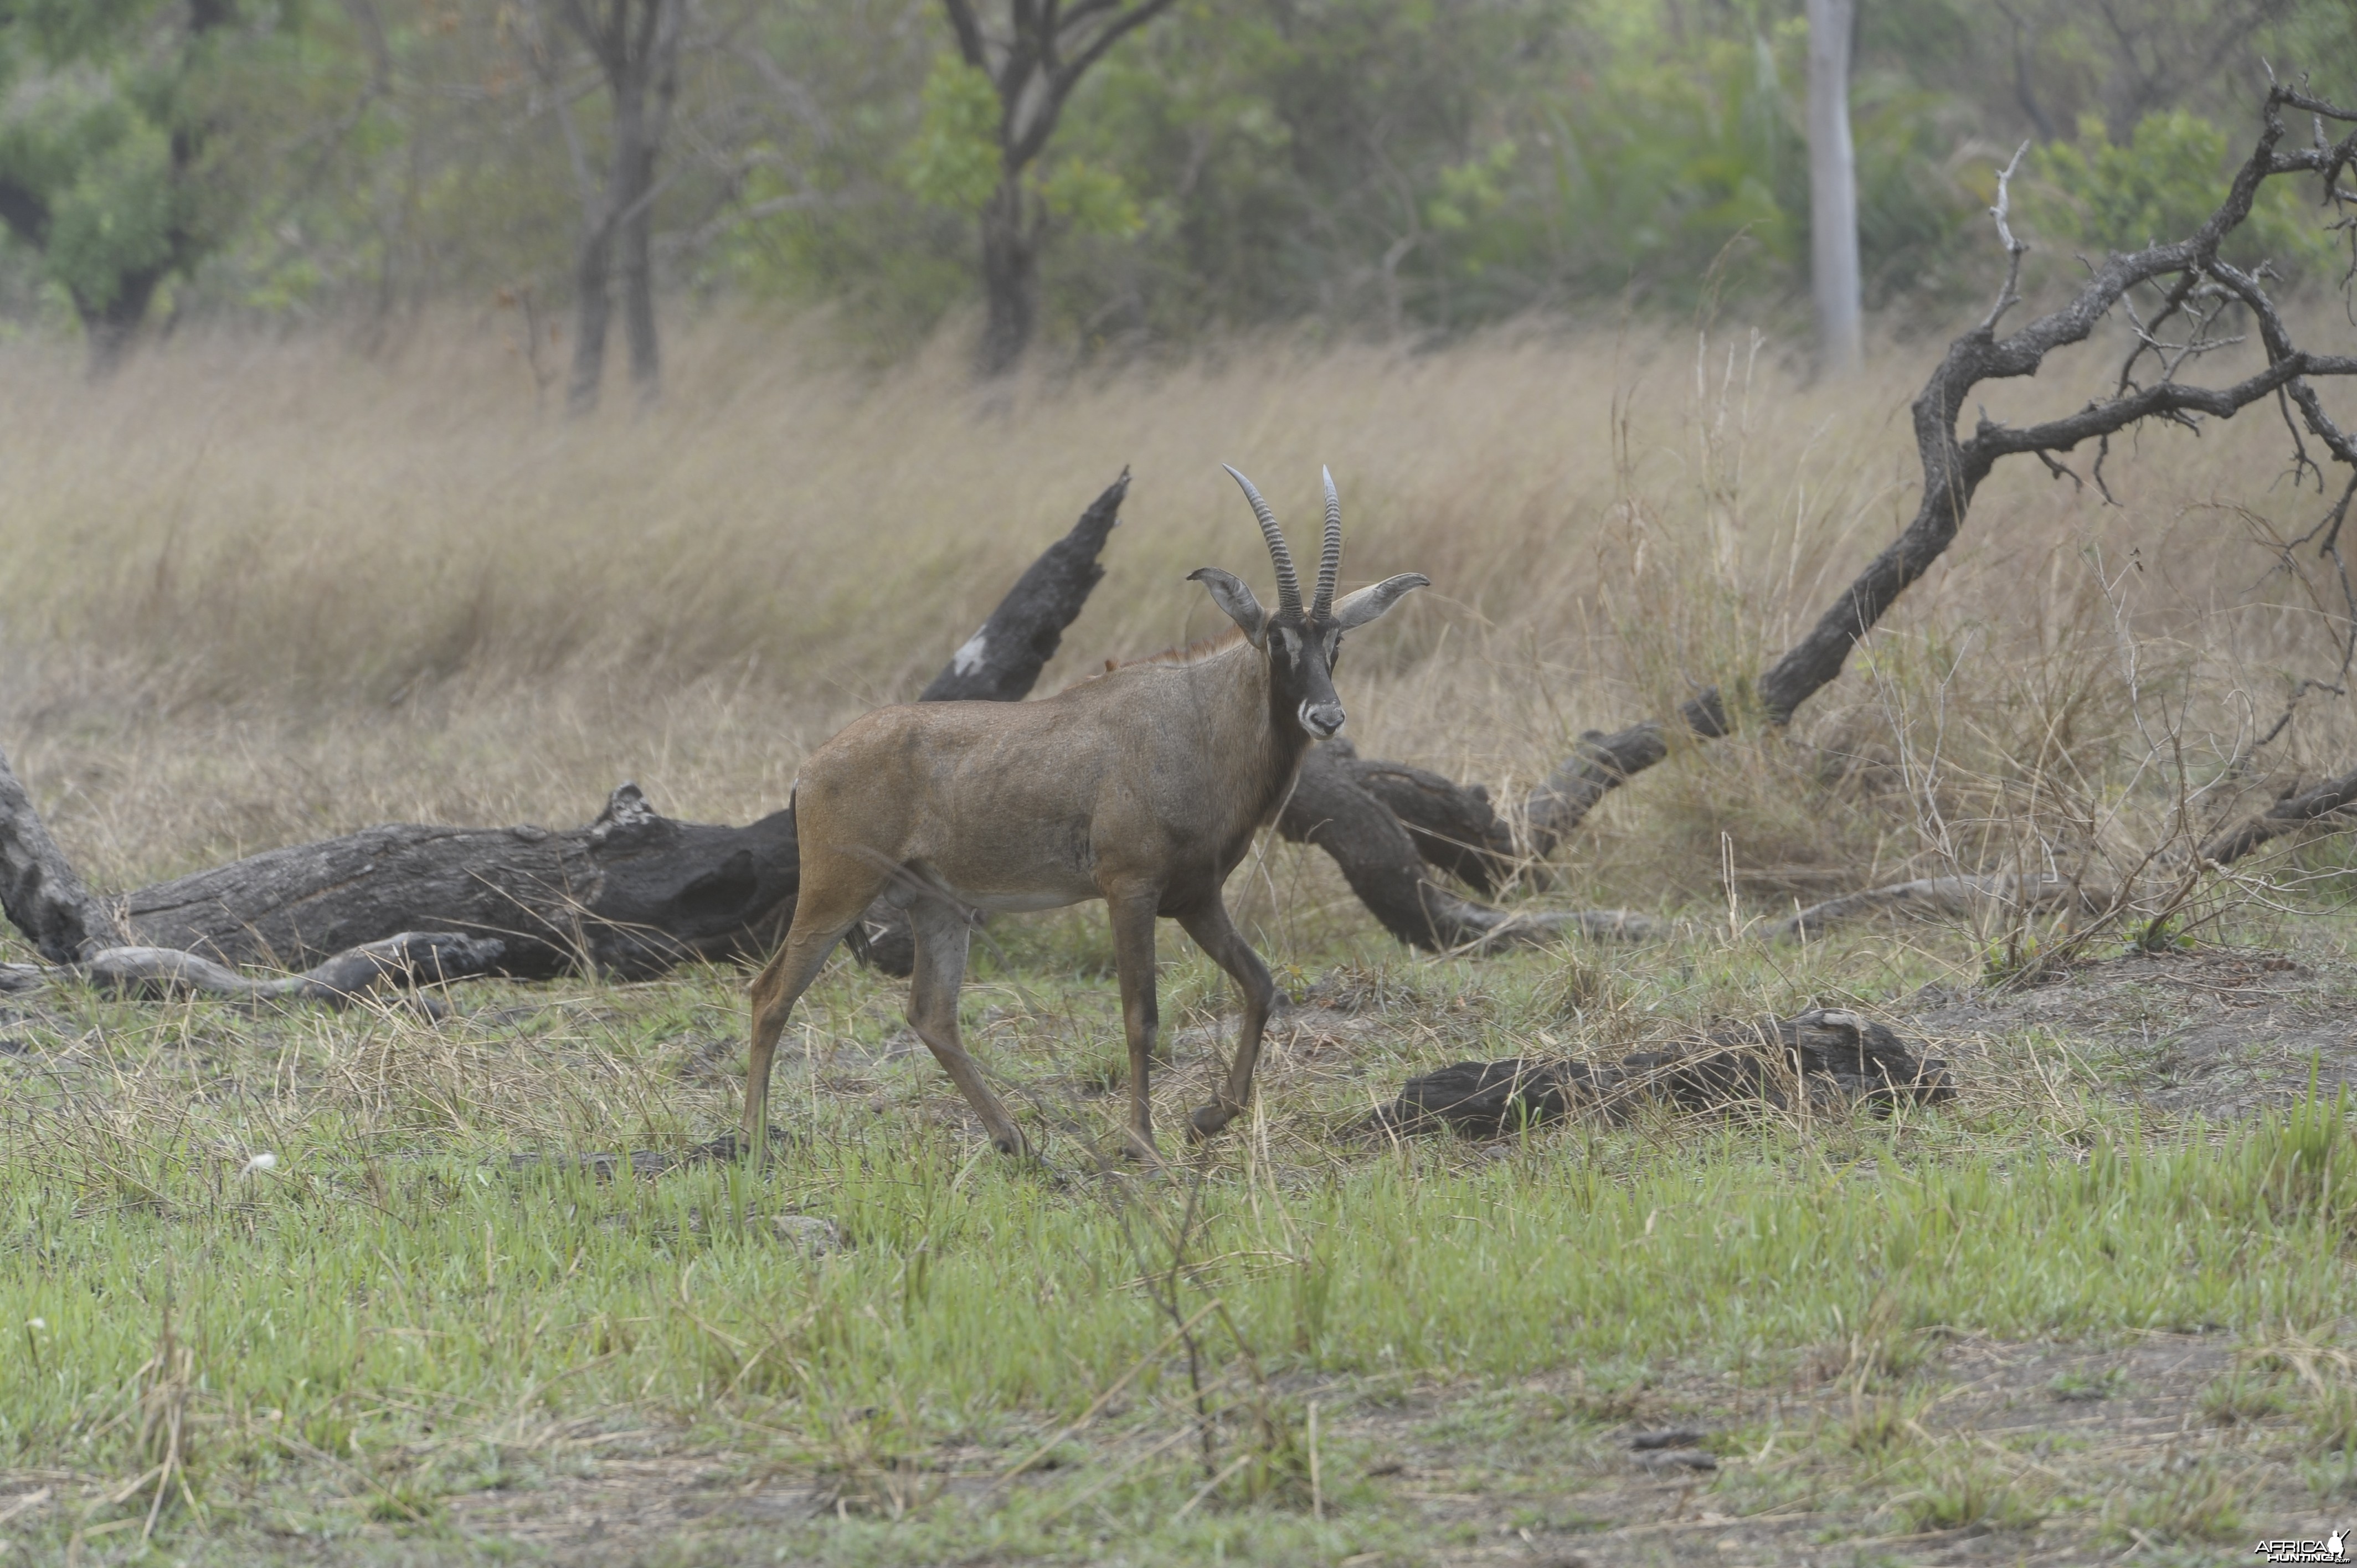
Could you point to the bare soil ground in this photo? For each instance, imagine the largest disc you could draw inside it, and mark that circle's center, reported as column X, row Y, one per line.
column 2111, row 1453
column 2213, row 1032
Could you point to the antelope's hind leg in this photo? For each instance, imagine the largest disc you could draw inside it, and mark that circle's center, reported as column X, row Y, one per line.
column 1132, row 911
column 828, row 907
column 942, row 935
column 1217, row 935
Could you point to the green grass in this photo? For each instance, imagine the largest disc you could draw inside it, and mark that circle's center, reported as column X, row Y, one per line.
column 395, row 1315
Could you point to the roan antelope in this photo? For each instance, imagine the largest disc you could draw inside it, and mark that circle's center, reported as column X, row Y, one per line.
column 1143, row 786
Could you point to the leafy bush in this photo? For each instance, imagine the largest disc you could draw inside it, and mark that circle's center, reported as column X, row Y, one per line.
column 2159, row 187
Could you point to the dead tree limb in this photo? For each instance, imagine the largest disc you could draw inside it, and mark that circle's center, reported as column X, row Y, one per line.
column 39, row 891
column 1001, row 662
column 1341, row 806
column 2287, row 815
column 1953, row 468
column 1932, row 895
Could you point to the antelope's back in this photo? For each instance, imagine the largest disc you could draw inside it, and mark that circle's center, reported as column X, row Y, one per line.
column 996, row 797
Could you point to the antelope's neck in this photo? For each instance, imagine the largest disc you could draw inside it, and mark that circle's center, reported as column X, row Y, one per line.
column 1279, row 746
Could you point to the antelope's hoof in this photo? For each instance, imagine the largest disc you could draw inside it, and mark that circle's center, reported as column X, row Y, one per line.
column 1208, row 1120
column 1013, row 1146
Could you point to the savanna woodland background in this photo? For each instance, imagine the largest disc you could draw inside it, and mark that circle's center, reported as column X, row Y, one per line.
column 441, row 411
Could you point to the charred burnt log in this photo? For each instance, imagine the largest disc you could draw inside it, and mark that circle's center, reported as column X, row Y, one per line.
column 1821, row 1059
column 631, row 894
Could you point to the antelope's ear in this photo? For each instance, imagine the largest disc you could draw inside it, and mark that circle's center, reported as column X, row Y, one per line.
column 1229, row 592
column 1359, row 609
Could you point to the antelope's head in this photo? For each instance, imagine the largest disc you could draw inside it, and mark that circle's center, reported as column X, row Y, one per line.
column 1302, row 645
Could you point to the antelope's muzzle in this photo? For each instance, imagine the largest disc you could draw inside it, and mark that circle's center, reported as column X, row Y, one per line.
column 1323, row 720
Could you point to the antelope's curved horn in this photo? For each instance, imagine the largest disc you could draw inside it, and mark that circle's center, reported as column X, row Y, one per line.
column 1288, row 587
column 1330, row 560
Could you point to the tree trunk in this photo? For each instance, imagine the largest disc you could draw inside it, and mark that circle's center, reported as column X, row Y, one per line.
column 618, row 211
column 638, row 289
column 113, row 326
column 1010, row 278
column 592, row 309
column 656, row 62
column 1833, row 187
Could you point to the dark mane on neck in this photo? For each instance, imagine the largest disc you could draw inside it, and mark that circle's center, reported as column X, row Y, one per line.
column 1193, row 653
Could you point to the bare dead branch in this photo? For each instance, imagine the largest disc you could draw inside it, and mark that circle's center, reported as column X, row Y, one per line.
column 2288, row 815
column 1954, row 467
column 1935, row 896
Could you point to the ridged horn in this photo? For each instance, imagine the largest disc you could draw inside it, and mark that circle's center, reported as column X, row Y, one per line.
column 1329, row 559
column 1288, row 587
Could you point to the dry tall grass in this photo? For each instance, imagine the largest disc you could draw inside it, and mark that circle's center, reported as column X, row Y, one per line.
column 257, row 592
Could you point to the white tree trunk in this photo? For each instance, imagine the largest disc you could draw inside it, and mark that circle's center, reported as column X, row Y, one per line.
column 1832, row 186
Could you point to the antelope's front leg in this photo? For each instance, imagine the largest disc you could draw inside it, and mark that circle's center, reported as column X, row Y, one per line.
column 1218, row 937
column 1132, row 911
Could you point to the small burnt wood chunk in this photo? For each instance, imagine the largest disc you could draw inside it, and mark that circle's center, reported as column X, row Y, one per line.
column 1829, row 1057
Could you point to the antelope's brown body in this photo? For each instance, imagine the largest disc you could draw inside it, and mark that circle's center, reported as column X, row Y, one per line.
column 1143, row 787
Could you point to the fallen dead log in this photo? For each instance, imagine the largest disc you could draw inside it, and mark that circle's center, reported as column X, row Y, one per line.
column 631, row 894
column 401, row 963
column 1821, row 1059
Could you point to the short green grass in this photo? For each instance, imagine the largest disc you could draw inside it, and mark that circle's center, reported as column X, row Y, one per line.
column 224, row 1362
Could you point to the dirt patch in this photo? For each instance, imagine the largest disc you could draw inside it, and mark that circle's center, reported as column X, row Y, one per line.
column 2168, row 1448
column 2220, row 1032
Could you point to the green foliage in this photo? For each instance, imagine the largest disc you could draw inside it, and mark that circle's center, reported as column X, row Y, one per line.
column 2162, row 185
column 1090, row 198
column 1471, row 190
column 1385, row 163
column 121, row 157
column 104, row 173
column 954, row 160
